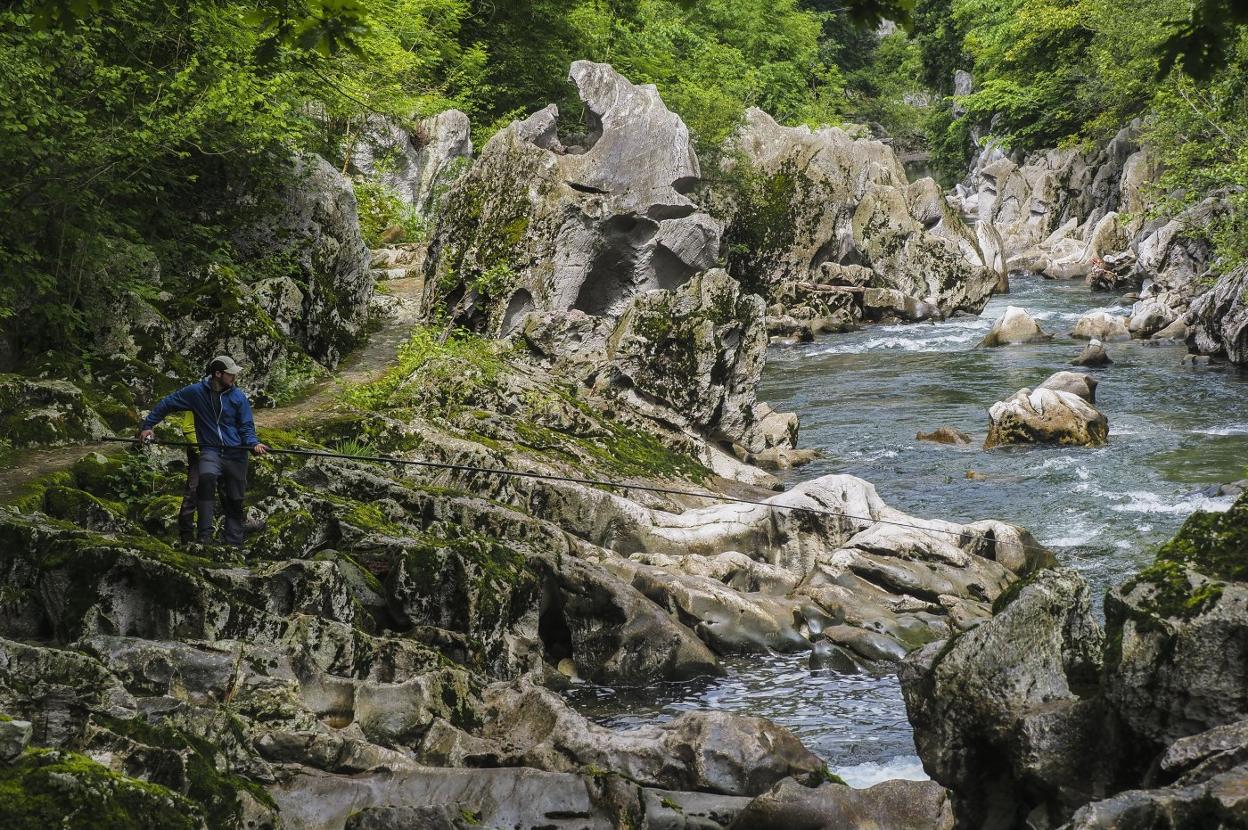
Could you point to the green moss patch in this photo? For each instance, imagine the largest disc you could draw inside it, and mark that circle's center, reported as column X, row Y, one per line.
column 48, row 789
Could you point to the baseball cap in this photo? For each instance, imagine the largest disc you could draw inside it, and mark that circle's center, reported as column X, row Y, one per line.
column 225, row 363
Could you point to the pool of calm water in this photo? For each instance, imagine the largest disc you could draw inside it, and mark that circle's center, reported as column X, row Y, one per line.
column 862, row 396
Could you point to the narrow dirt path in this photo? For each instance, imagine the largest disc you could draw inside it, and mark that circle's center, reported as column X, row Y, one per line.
column 319, row 402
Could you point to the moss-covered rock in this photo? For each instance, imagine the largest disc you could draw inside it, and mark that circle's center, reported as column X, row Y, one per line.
column 49, row 788
column 41, row 412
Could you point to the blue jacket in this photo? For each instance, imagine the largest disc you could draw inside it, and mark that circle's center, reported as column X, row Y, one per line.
column 221, row 418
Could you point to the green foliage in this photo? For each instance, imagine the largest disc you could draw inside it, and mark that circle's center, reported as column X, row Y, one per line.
column 381, row 210
column 1201, row 132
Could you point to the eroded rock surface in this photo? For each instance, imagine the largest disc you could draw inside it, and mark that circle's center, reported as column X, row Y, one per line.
column 536, row 226
column 1219, row 319
column 1045, row 416
column 809, row 204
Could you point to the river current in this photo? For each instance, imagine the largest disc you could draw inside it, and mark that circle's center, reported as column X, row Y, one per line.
column 1175, row 431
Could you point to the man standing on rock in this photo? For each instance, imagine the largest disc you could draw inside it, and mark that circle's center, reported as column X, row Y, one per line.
column 226, row 432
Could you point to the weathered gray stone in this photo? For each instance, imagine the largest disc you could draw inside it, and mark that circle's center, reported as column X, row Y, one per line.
column 1003, row 713
column 14, row 738
column 896, row 805
column 1093, row 355
column 1076, row 383
column 535, row 227
column 418, row 160
column 1177, row 672
column 1219, row 319
column 1015, row 326
column 1045, row 416
column 1102, row 326
column 315, row 234
column 833, row 200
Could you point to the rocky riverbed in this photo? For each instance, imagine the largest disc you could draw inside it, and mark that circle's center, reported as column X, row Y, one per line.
column 451, row 646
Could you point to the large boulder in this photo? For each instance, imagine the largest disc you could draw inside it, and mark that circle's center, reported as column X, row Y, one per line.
column 536, row 226
column 319, row 298
column 417, row 160
column 799, row 199
column 1179, row 633
column 1101, row 325
column 1015, row 326
column 1219, row 319
column 1045, row 416
column 1005, row 713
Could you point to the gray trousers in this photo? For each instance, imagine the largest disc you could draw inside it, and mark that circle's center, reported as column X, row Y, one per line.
column 229, row 469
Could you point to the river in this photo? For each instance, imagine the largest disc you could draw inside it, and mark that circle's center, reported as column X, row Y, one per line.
column 862, row 396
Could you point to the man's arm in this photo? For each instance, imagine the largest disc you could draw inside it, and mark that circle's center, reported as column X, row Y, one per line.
column 173, row 402
column 247, row 428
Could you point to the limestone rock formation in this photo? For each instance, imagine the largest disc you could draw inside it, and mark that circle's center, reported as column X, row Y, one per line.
column 1045, row 416
column 417, row 161
column 1000, row 713
column 1058, row 209
column 806, row 200
column 1219, row 319
column 1102, row 326
column 321, row 301
column 1013, row 327
column 1036, row 717
column 536, row 226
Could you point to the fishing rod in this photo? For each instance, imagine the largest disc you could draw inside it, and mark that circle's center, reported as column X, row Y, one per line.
column 615, row 485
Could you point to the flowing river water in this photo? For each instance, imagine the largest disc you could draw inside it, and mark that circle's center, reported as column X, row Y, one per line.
column 1175, row 430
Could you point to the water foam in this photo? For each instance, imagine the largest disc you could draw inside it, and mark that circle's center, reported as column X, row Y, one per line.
column 1142, row 501
column 870, row 773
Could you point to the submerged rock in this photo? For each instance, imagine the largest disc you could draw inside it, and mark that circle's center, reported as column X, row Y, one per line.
column 1015, row 326
column 1045, row 416
column 945, row 435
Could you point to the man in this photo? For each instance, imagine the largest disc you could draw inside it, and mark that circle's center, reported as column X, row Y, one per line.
column 226, row 432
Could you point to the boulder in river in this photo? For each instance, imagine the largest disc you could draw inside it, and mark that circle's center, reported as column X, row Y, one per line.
column 1102, row 326
column 1014, row 326
column 1093, row 354
column 1045, row 416
column 945, row 435
column 1076, row 383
